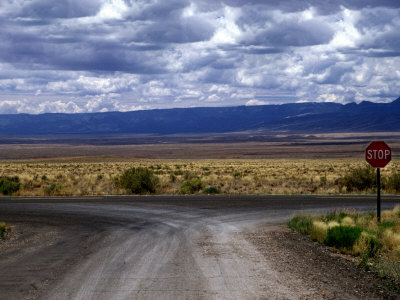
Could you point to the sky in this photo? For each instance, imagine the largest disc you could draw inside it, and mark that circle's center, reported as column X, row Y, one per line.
column 77, row 56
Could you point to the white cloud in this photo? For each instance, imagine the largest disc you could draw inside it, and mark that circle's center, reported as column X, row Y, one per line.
column 346, row 33
column 255, row 102
column 213, row 98
column 97, row 85
column 112, row 9
column 25, row 106
column 227, row 31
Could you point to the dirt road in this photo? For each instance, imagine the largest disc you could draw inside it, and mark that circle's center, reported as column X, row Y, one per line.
column 167, row 247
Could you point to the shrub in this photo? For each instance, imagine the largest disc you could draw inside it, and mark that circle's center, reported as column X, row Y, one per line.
column 360, row 179
column 348, row 221
column 212, row 190
column 189, row 176
column 319, row 231
column 301, row 224
column 366, row 220
column 138, row 181
column 333, row 224
column 4, row 230
column 377, row 244
column 367, row 246
column 342, row 236
column 391, row 239
column 393, row 182
column 335, row 215
column 172, row 177
column 386, row 225
column 9, row 185
column 53, row 189
column 191, row 186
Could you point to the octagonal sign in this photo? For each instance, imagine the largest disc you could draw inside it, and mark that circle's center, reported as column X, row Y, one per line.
column 378, row 154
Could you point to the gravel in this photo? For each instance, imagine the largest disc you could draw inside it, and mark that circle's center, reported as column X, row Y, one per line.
column 324, row 272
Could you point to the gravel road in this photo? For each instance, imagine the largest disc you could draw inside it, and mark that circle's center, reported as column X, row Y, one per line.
column 170, row 247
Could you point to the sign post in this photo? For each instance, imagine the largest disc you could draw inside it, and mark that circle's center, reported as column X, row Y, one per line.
column 378, row 155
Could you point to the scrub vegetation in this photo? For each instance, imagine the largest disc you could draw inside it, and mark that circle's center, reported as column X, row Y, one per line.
column 138, row 181
column 209, row 176
column 376, row 244
column 4, row 231
column 9, row 185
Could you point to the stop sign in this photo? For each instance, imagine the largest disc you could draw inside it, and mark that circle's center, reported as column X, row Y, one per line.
column 378, row 154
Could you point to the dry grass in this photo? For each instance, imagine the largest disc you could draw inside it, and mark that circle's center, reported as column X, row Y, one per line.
column 233, row 176
column 319, row 231
column 378, row 244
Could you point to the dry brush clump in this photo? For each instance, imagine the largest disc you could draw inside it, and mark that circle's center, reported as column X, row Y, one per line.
column 4, row 230
column 241, row 176
column 138, row 181
column 376, row 244
column 9, row 185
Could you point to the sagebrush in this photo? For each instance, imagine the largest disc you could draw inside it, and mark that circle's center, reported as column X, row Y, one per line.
column 227, row 176
column 377, row 244
column 138, row 181
column 4, row 230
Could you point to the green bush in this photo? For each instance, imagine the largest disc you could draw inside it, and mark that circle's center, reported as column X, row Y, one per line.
column 4, row 230
column 138, row 181
column 373, row 247
column 360, row 179
column 386, row 225
column 212, row 190
column 342, row 236
column 191, row 186
column 189, row 176
column 53, row 189
column 9, row 185
column 301, row 224
column 393, row 182
column 335, row 215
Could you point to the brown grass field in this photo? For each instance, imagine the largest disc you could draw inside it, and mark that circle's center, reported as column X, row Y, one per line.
column 299, row 164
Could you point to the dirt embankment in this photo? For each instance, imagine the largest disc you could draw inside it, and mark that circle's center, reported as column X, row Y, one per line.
column 325, row 273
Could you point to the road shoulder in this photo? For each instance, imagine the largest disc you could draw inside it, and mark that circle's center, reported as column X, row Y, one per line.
column 324, row 273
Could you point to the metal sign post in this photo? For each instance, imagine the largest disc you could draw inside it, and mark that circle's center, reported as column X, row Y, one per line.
column 378, row 200
column 378, row 155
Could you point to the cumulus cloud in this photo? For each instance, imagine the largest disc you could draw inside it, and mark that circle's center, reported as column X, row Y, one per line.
column 25, row 106
column 104, row 55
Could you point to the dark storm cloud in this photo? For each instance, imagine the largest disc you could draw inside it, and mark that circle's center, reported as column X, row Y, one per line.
column 99, row 55
column 186, row 30
column 155, row 10
column 49, row 9
column 296, row 34
column 324, row 7
column 89, row 46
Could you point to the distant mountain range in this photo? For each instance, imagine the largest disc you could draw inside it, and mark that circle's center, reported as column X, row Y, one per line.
column 289, row 118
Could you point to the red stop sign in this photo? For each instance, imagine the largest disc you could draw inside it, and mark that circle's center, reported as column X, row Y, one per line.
column 378, row 154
